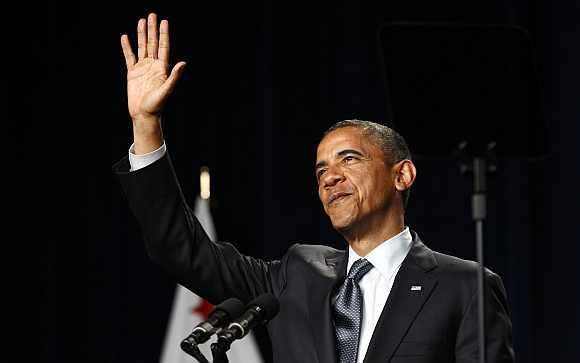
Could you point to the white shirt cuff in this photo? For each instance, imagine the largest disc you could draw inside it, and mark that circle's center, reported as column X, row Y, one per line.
column 140, row 161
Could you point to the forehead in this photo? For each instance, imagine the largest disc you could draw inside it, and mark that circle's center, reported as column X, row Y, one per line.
column 346, row 138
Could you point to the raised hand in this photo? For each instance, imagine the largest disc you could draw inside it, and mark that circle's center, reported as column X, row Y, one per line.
column 148, row 82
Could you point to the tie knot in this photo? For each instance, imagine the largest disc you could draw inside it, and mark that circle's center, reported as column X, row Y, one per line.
column 358, row 269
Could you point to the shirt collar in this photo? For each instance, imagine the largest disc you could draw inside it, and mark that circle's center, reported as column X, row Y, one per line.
column 388, row 255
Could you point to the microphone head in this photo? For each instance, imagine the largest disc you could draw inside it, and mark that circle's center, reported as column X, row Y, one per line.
column 232, row 307
column 268, row 305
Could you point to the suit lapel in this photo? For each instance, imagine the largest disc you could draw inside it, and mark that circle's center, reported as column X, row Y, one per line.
column 321, row 323
column 404, row 302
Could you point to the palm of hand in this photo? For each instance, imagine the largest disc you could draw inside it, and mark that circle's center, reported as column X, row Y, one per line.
column 149, row 82
column 144, row 86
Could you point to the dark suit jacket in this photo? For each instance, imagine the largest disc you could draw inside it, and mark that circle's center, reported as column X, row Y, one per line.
column 437, row 323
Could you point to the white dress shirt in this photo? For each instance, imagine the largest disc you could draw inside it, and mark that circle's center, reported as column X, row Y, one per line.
column 140, row 161
column 375, row 285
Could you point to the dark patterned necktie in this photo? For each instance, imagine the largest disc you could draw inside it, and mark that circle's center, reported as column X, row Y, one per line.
column 348, row 312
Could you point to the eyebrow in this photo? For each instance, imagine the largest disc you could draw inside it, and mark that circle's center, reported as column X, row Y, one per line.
column 322, row 163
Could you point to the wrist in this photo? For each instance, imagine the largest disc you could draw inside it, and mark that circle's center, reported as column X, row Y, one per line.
column 148, row 140
column 146, row 124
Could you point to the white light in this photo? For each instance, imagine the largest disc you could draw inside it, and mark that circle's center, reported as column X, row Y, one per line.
column 204, row 182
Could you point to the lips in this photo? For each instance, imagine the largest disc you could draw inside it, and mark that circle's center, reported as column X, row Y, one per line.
column 337, row 196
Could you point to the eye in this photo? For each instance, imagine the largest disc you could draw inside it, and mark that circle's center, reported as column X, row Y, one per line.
column 319, row 173
column 349, row 159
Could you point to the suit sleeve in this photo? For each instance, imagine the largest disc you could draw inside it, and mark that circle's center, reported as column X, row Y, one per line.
column 498, row 327
column 175, row 239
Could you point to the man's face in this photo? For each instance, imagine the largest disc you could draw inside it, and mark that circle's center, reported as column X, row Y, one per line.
column 355, row 185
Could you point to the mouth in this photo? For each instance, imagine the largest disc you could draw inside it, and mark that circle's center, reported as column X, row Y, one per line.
column 336, row 197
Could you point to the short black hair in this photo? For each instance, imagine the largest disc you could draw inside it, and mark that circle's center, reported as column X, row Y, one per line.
column 392, row 144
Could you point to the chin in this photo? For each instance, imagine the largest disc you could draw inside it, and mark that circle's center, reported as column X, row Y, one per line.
column 343, row 219
column 343, row 225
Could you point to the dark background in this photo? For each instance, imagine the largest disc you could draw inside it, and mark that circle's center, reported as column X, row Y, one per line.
column 263, row 81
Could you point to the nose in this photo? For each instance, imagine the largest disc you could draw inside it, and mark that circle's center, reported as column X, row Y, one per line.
column 332, row 177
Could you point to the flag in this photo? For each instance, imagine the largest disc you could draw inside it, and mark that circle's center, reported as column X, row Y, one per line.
column 189, row 309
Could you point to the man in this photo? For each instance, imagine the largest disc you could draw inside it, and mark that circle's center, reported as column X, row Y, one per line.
column 387, row 298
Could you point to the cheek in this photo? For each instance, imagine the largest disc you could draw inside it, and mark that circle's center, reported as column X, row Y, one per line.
column 363, row 188
column 321, row 198
column 371, row 192
column 321, row 195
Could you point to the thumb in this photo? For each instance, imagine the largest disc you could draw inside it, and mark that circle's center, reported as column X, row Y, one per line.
column 169, row 84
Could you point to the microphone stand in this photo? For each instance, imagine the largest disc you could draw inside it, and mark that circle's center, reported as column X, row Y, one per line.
column 219, row 350
column 479, row 167
column 194, row 351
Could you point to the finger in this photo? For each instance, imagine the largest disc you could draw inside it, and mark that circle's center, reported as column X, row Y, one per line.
column 152, row 36
column 142, row 39
column 171, row 81
column 164, row 41
column 127, row 51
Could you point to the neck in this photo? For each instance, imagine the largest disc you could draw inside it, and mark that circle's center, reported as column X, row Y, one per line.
column 371, row 233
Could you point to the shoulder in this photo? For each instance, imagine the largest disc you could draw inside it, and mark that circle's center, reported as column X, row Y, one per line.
column 453, row 272
column 445, row 265
column 313, row 252
column 453, row 264
column 458, row 268
column 461, row 275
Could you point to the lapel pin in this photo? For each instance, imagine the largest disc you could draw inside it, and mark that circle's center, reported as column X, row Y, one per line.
column 416, row 288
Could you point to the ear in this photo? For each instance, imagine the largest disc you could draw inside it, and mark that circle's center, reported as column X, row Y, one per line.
column 405, row 174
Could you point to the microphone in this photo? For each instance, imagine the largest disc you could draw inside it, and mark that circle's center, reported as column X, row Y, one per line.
column 218, row 318
column 258, row 311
